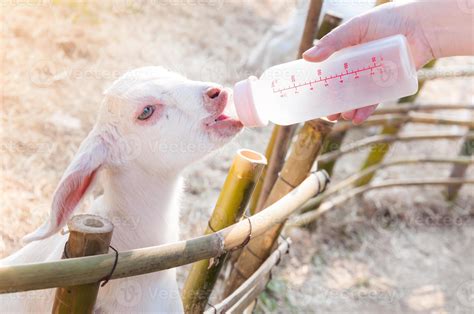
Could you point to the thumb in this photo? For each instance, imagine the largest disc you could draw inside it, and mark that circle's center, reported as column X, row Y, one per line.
column 345, row 35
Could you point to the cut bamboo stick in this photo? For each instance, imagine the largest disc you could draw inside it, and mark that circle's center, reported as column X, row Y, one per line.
column 259, row 186
column 312, row 216
column 258, row 277
column 88, row 235
column 349, row 181
column 295, row 170
column 90, row 269
column 233, row 199
column 376, row 140
column 459, row 170
column 376, row 155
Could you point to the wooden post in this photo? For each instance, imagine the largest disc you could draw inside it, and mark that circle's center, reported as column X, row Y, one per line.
column 233, row 199
column 88, row 235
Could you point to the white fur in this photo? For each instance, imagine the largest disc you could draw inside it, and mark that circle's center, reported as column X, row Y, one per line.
column 140, row 166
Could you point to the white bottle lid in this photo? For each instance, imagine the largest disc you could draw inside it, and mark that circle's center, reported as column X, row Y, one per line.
column 244, row 101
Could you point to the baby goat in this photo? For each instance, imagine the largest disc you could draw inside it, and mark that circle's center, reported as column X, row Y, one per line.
column 152, row 124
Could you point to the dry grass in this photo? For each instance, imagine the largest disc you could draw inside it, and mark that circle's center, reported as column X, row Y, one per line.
column 58, row 58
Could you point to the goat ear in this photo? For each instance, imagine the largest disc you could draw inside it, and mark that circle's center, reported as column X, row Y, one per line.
column 75, row 183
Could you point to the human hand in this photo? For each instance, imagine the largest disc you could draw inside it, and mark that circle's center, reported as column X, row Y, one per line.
column 382, row 21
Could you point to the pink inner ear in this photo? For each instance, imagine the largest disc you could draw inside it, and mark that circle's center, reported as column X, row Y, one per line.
column 73, row 198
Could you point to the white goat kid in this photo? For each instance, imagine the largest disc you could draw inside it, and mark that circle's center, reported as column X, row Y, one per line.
column 152, row 124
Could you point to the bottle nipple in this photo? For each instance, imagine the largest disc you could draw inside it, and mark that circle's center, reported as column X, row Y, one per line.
column 244, row 102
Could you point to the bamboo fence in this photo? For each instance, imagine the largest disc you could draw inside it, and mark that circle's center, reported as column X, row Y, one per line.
column 235, row 194
column 377, row 155
column 296, row 168
column 243, row 295
column 375, row 140
column 335, row 139
column 281, row 135
column 272, row 195
column 459, row 170
column 88, row 235
column 91, row 269
column 349, row 181
column 313, row 215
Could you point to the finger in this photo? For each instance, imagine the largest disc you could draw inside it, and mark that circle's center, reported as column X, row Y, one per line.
column 348, row 115
column 345, row 35
column 363, row 113
column 318, row 53
column 334, row 117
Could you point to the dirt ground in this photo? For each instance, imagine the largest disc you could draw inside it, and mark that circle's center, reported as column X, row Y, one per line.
column 414, row 252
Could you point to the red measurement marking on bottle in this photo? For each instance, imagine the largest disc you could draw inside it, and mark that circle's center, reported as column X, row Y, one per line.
column 326, row 80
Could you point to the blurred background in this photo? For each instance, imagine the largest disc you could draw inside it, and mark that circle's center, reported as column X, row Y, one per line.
column 403, row 250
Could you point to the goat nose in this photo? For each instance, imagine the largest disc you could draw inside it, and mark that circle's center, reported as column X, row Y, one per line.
column 213, row 92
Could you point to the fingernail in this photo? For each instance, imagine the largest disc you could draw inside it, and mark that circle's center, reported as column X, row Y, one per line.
column 312, row 52
column 348, row 115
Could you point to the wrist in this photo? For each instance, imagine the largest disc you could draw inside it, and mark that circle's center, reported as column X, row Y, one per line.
column 447, row 28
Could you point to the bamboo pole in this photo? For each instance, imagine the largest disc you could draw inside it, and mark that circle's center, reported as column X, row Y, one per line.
column 312, row 216
column 258, row 277
column 283, row 134
column 276, row 156
column 259, row 186
column 376, row 155
column 405, row 108
column 349, row 181
column 445, row 73
column 82, row 270
column 376, row 140
column 411, row 117
column 296, row 168
column 459, row 170
column 233, row 199
column 88, row 235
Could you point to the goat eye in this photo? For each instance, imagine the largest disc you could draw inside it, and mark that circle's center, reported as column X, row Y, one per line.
column 147, row 112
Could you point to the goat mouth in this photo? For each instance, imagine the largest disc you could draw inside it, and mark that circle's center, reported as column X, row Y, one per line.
column 221, row 124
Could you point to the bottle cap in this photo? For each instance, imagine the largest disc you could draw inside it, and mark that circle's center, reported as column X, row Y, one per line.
column 245, row 104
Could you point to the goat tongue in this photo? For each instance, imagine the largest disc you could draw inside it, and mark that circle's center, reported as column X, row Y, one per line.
column 222, row 117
